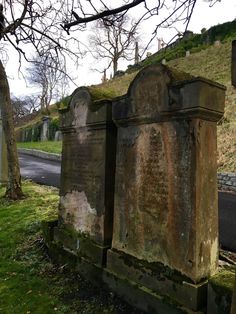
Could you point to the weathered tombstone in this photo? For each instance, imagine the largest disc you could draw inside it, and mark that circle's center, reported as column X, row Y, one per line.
column 233, row 64
column 45, row 128
column 187, row 53
column 163, row 61
column 217, row 43
column 87, row 177
column 3, row 155
column 58, row 136
column 165, row 234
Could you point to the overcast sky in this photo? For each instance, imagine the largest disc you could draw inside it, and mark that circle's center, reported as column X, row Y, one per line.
column 203, row 17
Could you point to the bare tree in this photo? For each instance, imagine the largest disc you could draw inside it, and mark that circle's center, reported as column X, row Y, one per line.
column 24, row 105
column 114, row 40
column 49, row 74
column 26, row 25
column 20, row 108
column 164, row 13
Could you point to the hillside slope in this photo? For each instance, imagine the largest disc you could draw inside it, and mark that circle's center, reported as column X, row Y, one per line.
column 215, row 63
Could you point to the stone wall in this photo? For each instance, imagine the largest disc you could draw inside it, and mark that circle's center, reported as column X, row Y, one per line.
column 226, row 181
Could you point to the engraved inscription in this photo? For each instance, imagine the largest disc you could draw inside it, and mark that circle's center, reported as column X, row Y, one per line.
column 84, row 168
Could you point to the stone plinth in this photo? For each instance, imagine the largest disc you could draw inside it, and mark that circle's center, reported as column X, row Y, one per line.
column 3, row 156
column 165, row 212
column 87, row 177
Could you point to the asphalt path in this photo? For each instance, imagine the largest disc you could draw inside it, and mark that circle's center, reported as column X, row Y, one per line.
column 40, row 170
column 48, row 173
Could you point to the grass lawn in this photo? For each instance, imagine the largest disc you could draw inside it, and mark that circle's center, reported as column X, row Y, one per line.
column 29, row 282
column 49, row 146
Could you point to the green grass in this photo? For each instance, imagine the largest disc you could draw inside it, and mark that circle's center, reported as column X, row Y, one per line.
column 29, row 282
column 22, row 288
column 214, row 63
column 49, row 146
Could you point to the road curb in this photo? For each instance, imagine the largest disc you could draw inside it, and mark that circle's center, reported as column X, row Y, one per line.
column 40, row 154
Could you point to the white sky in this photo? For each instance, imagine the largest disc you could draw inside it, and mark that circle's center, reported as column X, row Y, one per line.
column 203, row 17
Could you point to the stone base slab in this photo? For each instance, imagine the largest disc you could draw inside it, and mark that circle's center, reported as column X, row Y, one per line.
column 139, row 286
column 158, row 278
column 135, row 294
column 80, row 245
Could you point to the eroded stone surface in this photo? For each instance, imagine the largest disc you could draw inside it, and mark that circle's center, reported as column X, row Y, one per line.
column 88, row 162
column 166, row 171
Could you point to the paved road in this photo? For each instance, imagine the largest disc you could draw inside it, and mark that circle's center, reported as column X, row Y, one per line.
column 48, row 173
column 227, row 219
column 40, row 170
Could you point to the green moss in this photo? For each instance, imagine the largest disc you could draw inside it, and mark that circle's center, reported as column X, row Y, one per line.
column 81, row 244
column 101, row 93
column 29, row 282
column 178, row 75
column 222, row 285
column 62, row 104
column 223, row 282
column 157, row 269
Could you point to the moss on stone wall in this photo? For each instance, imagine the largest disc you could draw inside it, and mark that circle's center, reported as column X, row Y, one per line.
column 223, row 282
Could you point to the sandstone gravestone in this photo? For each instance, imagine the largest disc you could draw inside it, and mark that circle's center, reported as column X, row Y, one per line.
column 87, row 184
column 3, row 156
column 165, row 234
column 233, row 64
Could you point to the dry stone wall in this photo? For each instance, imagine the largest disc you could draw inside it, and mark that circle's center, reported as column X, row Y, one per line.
column 227, row 181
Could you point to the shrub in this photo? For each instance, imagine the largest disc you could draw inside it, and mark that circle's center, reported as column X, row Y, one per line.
column 53, row 127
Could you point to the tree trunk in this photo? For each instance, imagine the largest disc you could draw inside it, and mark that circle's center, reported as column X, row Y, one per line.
column 115, row 66
column 14, row 190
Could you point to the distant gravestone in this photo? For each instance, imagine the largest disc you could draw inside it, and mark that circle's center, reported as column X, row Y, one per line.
column 163, row 61
column 88, row 171
column 187, row 53
column 217, row 43
column 3, row 156
column 45, row 128
column 58, row 136
column 233, row 64
column 164, row 219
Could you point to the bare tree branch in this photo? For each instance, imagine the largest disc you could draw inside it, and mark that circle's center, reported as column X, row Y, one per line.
column 81, row 20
